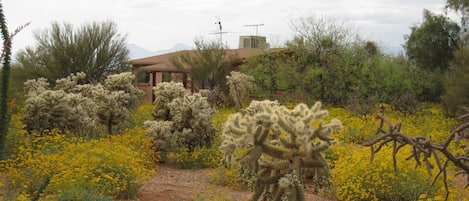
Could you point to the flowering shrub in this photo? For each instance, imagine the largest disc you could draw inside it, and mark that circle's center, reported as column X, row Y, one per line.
column 55, row 167
column 430, row 121
column 356, row 178
column 201, row 157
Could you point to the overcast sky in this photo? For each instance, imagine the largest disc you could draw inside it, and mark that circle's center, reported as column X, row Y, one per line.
column 160, row 24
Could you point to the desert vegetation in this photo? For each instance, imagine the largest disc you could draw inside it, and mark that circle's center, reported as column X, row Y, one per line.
column 329, row 114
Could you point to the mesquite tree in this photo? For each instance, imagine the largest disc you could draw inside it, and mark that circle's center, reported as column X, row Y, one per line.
column 278, row 146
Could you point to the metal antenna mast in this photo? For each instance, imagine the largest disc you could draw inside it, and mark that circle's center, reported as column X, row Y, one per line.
column 220, row 31
column 254, row 25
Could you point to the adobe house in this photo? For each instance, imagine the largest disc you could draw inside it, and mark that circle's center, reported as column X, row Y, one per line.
column 151, row 71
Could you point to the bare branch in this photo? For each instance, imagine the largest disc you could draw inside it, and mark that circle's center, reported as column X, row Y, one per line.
column 422, row 145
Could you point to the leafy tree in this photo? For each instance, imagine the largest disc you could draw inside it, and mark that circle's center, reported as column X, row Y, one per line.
column 208, row 66
column 461, row 6
column 457, row 82
column 264, row 69
column 321, row 35
column 96, row 49
column 432, row 43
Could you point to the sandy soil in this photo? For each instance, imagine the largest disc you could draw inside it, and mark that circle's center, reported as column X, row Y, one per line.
column 172, row 184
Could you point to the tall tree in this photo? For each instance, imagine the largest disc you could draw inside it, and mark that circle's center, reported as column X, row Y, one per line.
column 208, row 66
column 432, row 43
column 96, row 49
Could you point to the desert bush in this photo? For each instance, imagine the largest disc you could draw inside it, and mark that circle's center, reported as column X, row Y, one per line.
column 429, row 121
column 200, row 157
column 278, row 145
column 457, row 83
column 357, row 178
column 54, row 167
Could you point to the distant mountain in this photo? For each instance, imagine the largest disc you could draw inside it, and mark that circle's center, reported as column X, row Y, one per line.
column 137, row 52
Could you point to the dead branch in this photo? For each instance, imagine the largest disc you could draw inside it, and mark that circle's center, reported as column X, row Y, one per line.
column 423, row 148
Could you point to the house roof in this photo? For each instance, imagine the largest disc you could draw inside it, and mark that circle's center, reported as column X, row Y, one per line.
column 163, row 62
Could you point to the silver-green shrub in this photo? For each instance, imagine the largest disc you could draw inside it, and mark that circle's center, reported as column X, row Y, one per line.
column 276, row 146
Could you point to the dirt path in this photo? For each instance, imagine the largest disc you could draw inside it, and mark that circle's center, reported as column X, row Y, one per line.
column 172, row 184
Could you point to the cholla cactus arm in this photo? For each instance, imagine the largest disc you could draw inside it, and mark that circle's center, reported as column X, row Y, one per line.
column 160, row 131
column 69, row 83
column 35, row 86
column 192, row 120
column 239, row 84
column 278, row 142
column 165, row 93
column 110, row 105
column 125, row 82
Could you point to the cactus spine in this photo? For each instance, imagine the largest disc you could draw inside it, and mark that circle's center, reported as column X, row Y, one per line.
column 280, row 144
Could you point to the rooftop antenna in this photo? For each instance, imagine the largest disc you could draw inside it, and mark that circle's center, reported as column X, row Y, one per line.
column 220, row 31
column 254, row 25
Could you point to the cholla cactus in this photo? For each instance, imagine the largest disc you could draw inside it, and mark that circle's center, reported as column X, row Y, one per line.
column 160, row 131
column 279, row 145
column 112, row 106
column 57, row 109
column 239, row 84
column 116, row 98
column 189, row 116
column 35, row 87
column 125, row 82
column 192, row 116
column 165, row 93
column 76, row 108
column 69, row 83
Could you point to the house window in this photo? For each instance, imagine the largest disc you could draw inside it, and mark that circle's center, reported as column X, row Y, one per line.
column 142, row 76
column 167, row 77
